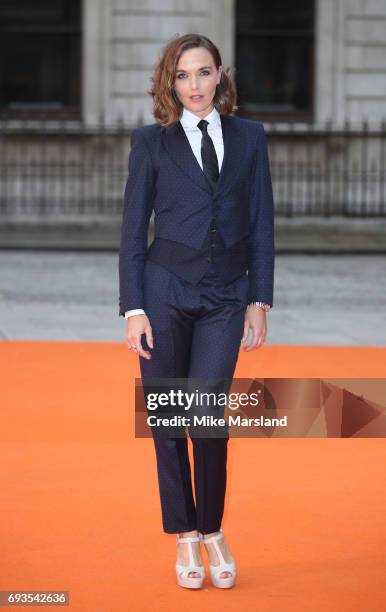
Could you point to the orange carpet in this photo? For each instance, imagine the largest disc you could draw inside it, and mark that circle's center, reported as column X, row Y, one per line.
column 79, row 499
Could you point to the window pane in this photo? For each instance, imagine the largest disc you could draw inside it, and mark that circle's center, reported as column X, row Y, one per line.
column 40, row 54
column 30, row 12
column 31, row 73
column 274, row 55
column 274, row 73
column 275, row 14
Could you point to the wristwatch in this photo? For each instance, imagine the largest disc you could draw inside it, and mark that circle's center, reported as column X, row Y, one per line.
column 262, row 305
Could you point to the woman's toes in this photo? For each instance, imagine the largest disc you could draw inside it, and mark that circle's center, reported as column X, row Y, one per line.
column 225, row 574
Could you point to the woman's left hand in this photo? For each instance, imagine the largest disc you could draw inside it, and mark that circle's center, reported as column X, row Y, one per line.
column 255, row 319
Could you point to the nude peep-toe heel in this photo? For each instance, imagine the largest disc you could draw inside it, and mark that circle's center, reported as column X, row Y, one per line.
column 216, row 570
column 182, row 571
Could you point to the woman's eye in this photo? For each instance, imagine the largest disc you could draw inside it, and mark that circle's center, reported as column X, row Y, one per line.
column 205, row 72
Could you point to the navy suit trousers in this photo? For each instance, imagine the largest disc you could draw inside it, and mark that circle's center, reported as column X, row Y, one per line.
column 197, row 330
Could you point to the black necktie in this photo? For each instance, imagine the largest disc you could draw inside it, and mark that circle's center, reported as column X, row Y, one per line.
column 208, row 154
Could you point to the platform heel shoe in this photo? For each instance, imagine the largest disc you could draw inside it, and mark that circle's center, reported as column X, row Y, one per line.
column 216, row 570
column 182, row 571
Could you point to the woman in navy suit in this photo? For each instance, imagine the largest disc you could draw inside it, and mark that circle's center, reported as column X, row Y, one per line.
column 206, row 282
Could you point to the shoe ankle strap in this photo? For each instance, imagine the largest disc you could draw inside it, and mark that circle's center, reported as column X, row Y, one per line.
column 187, row 539
column 214, row 538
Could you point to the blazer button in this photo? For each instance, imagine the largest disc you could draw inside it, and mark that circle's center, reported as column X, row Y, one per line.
column 213, row 231
column 212, row 245
column 208, row 259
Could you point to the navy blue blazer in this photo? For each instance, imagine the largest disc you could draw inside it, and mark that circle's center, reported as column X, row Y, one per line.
column 165, row 176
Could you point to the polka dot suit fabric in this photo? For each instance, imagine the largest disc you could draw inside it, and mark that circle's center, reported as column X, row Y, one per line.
column 197, row 330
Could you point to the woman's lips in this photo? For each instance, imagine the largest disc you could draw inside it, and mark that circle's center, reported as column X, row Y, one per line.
column 196, row 99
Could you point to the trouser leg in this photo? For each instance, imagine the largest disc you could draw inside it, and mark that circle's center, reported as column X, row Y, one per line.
column 170, row 359
column 215, row 348
column 197, row 333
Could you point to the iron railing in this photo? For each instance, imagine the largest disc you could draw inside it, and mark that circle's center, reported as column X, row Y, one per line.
column 66, row 170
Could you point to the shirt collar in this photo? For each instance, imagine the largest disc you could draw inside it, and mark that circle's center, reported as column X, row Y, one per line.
column 189, row 120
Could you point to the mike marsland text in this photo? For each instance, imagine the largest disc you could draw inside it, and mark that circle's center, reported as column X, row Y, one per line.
column 210, row 421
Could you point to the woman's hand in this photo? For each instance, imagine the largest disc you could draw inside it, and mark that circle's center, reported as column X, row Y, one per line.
column 255, row 319
column 136, row 326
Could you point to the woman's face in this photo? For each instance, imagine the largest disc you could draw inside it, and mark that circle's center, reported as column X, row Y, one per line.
column 197, row 75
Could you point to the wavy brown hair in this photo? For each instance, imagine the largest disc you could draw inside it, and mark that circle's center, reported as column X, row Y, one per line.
column 167, row 108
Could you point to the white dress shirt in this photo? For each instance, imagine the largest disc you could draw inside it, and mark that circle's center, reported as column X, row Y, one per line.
column 189, row 122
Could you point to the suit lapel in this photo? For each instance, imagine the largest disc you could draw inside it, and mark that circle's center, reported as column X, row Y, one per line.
column 178, row 147
column 234, row 151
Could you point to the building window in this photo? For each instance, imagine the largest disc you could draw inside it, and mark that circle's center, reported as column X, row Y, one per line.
column 40, row 57
column 275, row 58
